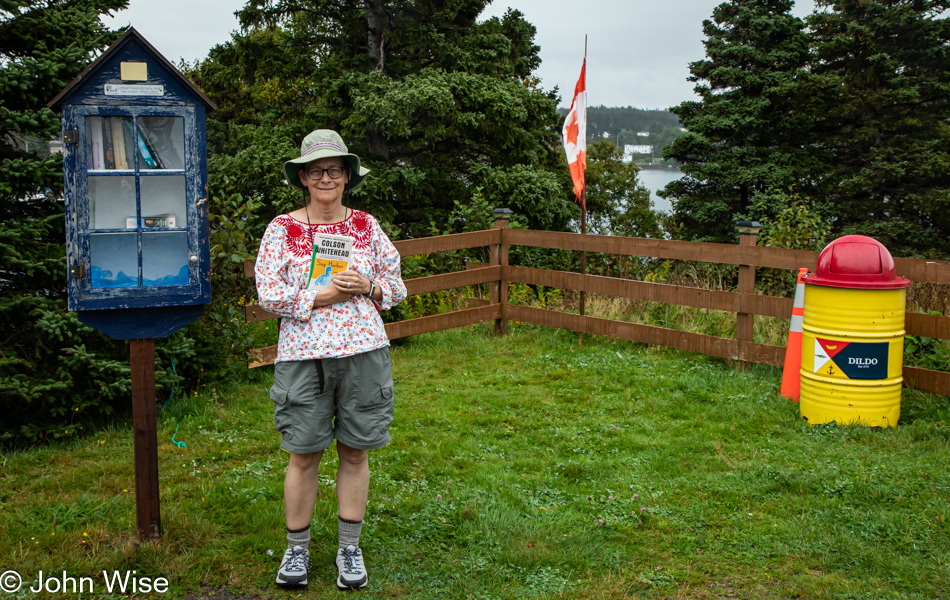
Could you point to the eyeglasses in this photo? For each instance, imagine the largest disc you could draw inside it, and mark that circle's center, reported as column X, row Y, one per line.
column 317, row 173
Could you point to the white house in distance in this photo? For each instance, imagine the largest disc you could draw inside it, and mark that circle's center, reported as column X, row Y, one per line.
column 629, row 150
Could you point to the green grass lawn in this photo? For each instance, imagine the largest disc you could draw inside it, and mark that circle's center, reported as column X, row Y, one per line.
column 520, row 467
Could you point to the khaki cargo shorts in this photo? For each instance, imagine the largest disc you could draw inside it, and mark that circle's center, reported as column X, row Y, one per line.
column 349, row 399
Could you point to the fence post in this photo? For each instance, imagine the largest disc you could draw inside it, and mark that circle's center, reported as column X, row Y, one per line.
column 748, row 236
column 498, row 293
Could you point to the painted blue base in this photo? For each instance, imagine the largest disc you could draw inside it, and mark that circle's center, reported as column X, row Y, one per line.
column 140, row 323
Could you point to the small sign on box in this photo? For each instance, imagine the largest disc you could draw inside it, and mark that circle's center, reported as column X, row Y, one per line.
column 117, row 89
column 165, row 220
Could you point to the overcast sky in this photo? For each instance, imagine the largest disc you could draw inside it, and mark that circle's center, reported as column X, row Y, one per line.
column 638, row 51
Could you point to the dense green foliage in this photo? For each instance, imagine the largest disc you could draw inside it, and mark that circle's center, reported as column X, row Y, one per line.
column 444, row 109
column 849, row 114
column 56, row 375
column 883, row 70
column 745, row 133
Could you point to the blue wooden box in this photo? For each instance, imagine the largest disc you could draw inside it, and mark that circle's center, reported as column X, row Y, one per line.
column 136, row 189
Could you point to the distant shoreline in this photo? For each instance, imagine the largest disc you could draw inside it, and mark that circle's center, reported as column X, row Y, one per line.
column 658, row 168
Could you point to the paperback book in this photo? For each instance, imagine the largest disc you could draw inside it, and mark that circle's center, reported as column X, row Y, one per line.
column 332, row 254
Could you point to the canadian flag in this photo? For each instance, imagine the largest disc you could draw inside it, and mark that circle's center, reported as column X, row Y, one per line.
column 575, row 135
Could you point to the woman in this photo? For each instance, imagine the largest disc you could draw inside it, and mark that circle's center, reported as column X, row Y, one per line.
column 332, row 375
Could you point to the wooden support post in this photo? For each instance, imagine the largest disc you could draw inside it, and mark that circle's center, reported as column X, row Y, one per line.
column 745, row 321
column 145, row 432
column 498, row 293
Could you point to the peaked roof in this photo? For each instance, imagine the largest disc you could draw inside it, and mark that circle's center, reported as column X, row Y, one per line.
column 123, row 40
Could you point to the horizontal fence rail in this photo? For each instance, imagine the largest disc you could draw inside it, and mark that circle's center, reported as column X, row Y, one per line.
column 498, row 274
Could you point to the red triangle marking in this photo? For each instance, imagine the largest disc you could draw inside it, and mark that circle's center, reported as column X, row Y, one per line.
column 832, row 347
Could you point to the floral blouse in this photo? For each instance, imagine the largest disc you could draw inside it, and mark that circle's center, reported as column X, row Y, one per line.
column 343, row 329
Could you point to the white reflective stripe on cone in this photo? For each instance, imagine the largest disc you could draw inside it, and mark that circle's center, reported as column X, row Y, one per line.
column 796, row 326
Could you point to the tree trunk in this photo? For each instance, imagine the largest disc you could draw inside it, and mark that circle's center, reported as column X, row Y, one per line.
column 377, row 20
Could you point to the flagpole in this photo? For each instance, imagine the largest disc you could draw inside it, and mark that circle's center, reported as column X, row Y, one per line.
column 580, row 339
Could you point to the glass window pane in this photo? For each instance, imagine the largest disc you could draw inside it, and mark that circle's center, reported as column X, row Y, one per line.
column 109, row 143
column 111, row 202
column 114, row 260
column 161, row 143
column 163, row 200
column 165, row 258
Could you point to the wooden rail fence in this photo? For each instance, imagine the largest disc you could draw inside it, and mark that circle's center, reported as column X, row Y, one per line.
column 744, row 302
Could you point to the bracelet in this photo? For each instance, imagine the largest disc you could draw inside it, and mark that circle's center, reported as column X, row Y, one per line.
column 372, row 288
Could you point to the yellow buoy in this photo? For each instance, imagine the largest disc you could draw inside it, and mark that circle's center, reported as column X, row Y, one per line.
column 853, row 336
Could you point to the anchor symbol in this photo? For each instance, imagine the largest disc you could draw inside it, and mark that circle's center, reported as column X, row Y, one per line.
column 831, row 370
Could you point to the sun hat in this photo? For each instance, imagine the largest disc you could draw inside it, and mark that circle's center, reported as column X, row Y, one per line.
column 324, row 143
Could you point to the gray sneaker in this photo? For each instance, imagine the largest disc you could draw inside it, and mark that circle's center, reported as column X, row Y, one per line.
column 293, row 570
column 349, row 562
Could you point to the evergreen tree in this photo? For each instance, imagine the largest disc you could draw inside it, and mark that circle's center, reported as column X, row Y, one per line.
column 56, row 375
column 749, row 131
column 444, row 109
column 884, row 73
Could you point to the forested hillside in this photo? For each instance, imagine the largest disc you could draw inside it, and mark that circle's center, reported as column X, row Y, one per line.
column 622, row 125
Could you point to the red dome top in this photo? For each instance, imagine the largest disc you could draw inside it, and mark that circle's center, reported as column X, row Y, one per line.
column 856, row 261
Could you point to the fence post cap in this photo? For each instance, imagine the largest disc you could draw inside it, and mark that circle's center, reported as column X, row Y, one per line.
column 749, row 227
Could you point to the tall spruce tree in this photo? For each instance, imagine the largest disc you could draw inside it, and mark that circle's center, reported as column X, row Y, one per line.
column 748, row 132
column 56, row 375
column 884, row 73
column 443, row 108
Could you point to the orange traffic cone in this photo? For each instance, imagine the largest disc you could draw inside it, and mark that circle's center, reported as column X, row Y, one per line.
column 791, row 376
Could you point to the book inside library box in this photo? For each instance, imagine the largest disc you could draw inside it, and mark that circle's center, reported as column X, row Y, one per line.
column 154, row 149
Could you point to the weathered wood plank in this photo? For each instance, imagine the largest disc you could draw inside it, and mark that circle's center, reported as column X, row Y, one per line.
column 646, row 334
column 764, row 354
column 923, row 271
column 265, row 356
column 724, row 253
column 925, row 380
column 443, row 243
column 628, row 288
column 449, row 320
column 261, row 357
column 768, row 306
column 447, row 281
column 935, row 326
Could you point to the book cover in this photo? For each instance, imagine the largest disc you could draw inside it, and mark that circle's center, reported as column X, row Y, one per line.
column 118, row 143
column 152, row 159
column 95, row 132
column 107, row 143
column 143, row 149
column 332, row 254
